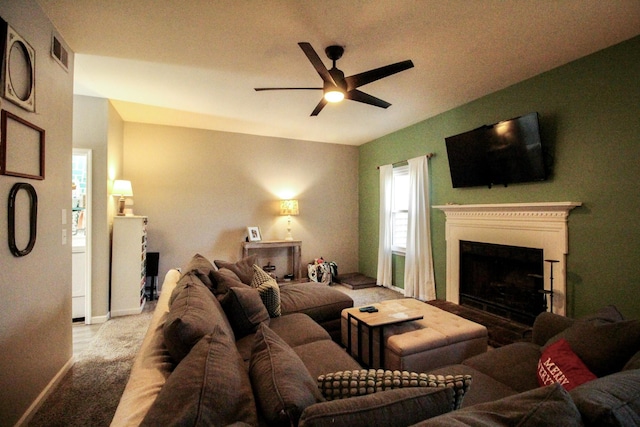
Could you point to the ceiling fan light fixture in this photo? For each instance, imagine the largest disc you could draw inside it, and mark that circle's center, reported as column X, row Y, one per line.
column 334, row 95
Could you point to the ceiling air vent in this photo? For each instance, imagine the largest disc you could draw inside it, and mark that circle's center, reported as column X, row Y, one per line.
column 60, row 52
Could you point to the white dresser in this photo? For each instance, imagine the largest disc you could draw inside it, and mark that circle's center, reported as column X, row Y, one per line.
column 128, row 265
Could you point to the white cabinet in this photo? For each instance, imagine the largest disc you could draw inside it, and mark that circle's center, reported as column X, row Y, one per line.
column 128, row 264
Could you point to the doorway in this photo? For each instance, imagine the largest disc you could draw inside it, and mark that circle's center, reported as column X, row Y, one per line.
column 81, row 235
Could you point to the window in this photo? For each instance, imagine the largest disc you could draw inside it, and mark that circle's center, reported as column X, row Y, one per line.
column 400, row 208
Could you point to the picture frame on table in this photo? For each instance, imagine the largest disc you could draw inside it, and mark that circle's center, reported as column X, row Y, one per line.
column 254, row 234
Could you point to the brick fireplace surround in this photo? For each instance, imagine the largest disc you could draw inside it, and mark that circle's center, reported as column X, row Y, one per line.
column 531, row 225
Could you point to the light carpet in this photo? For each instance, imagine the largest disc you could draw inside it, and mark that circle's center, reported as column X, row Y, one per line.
column 89, row 393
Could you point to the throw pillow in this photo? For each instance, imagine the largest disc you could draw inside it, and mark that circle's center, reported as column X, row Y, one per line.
column 193, row 314
column 269, row 291
column 244, row 309
column 199, row 392
column 398, row 407
column 243, row 268
column 343, row 384
column 223, row 280
column 544, row 406
column 613, row 400
column 202, row 268
column 603, row 347
column 559, row 364
column 282, row 385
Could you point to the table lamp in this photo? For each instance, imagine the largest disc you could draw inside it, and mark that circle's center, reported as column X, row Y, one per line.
column 289, row 207
column 123, row 189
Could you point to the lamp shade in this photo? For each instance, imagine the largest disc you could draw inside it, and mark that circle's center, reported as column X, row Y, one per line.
column 122, row 188
column 289, row 207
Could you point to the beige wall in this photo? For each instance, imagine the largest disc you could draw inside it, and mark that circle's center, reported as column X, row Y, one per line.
column 35, row 290
column 200, row 189
column 97, row 126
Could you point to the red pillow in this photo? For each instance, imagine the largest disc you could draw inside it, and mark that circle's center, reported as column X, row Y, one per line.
column 559, row 364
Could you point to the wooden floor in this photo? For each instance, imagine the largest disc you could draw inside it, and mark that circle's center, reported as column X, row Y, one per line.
column 82, row 336
column 501, row 331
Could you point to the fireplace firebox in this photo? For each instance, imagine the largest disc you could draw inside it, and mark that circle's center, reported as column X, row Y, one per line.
column 504, row 280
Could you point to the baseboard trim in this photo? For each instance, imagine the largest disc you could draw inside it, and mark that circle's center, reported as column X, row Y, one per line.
column 100, row 319
column 53, row 384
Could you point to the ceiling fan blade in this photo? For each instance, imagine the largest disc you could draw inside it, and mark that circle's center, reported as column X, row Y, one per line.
column 258, row 89
column 362, row 79
column 316, row 62
column 356, row 95
column 319, row 107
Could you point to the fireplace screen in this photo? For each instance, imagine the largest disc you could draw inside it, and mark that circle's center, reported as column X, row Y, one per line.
column 503, row 280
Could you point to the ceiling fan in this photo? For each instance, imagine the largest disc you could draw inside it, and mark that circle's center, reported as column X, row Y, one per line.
column 336, row 86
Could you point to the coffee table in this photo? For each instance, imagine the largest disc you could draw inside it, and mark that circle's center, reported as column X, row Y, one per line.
column 385, row 316
column 438, row 338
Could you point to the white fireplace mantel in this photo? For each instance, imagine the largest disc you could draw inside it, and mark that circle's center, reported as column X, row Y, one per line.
column 531, row 225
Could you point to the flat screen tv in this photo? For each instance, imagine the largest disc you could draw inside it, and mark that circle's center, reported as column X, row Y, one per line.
column 504, row 153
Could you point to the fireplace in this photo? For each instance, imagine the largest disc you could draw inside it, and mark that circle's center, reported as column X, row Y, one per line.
column 502, row 280
column 540, row 226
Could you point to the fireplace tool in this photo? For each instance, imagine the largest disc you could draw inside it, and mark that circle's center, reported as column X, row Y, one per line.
column 548, row 293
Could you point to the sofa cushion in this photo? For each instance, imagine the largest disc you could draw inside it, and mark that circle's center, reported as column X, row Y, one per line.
column 389, row 408
column 244, row 309
column 613, row 400
column 559, row 364
column 202, row 268
column 281, row 382
column 243, row 268
column 603, row 347
column 320, row 302
column 324, row 356
column 269, row 291
column 194, row 313
column 197, row 393
column 633, row 363
column 224, row 279
column 545, row 406
column 514, row 365
column 346, row 384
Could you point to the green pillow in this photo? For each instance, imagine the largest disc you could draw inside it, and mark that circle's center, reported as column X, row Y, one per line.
column 344, row 384
column 282, row 384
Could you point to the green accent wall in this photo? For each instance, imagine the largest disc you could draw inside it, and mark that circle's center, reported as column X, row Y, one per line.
column 590, row 122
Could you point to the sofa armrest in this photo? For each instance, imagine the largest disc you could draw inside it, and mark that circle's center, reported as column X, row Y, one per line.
column 547, row 325
column 397, row 407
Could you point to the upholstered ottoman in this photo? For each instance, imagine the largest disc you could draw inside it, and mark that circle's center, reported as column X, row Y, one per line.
column 439, row 338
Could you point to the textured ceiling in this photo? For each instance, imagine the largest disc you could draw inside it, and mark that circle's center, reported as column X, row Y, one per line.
column 195, row 63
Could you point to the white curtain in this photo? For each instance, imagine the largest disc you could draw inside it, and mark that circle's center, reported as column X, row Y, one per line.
column 385, row 231
column 418, row 270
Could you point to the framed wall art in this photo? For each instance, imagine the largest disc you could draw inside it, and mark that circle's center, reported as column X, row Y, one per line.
column 21, row 147
column 19, row 72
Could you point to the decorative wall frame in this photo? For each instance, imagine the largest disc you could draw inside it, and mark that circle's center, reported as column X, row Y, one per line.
column 19, row 69
column 21, row 147
column 33, row 218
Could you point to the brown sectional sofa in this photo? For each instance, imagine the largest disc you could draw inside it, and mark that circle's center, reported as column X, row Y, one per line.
column 505, row 389
column 214, row 356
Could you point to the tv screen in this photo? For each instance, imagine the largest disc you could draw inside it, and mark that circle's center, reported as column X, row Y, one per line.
column 504, row 153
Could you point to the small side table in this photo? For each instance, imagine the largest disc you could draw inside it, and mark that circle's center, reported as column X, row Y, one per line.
column 371, row 321
column 295, row 247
